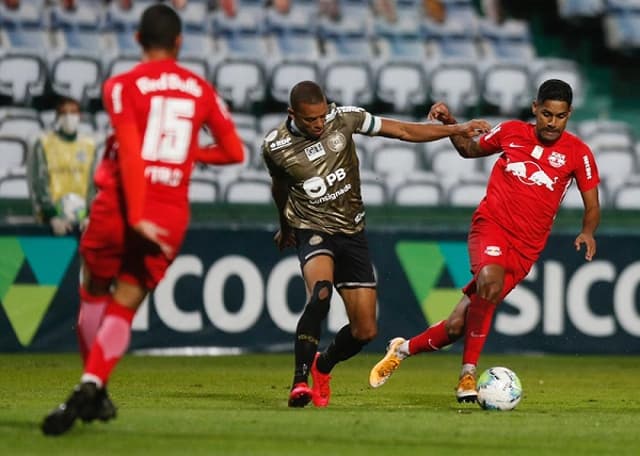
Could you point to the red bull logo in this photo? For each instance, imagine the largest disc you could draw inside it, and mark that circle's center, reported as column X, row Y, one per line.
column 530, row 173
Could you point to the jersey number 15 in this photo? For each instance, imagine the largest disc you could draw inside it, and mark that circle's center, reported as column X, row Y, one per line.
column 169, row 126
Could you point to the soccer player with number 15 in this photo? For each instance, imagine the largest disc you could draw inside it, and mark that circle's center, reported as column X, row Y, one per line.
column 141, row 211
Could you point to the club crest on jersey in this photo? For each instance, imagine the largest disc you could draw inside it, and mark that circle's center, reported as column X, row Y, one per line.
column 271, row 136
column 314, row 151
column 557, row 160
column 336, row 142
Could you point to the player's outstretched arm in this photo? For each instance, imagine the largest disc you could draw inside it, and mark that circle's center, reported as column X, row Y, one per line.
column 424, row 132
column 590, row 222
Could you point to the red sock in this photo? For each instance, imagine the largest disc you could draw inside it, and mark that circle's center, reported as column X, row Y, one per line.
column 477, row 326
column 111, row 341
column 89, row 318
column 434, row 338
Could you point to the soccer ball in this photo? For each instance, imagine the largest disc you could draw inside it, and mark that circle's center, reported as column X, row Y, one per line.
column 72, row 207
column 499, row 388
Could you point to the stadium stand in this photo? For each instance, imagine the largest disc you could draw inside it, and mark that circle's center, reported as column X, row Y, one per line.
column 388, row 56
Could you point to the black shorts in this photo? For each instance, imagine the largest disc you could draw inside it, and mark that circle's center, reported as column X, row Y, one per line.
column 350, row 253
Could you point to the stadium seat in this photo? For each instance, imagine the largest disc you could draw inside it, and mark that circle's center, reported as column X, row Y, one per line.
column 198, row 66
column 24, row 127
column 564, row 69
column 77, row 77
column 397, row 158
column 615, row 166
column 508, row 87
column 121, row 64
column 572, row 9
column 627, row 197
column 455, row 84
column 14, row 187
column 509, row 41
column 573, row 198
column 374, row 192
column 403, row 85
column 203, row 191
column 286, row 74
column 241, row 83
column 417, row 194
column 401, row 40
column 346, row 39
column 452, row 169
column 36, row 42
column 13, row 154
column 466, row 194
column 91, row 43
column 196, row 44
column 248, row 192
column 22, row 78
column 349, row 83
column 451, row 41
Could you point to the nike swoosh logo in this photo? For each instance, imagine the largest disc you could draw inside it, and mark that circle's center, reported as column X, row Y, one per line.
column 475, row 334
column 515, row 145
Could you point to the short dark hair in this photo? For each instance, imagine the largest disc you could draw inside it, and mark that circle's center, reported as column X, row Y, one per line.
column 555, row 89
column 63, row 100
column 159, row 27
column 305, row 92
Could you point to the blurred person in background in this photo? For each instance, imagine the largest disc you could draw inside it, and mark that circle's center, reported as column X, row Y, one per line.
column 140, row 214
column 60, row 170
column 510, row 227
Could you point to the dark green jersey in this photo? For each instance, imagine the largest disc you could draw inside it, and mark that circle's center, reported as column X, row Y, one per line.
column 323, row 174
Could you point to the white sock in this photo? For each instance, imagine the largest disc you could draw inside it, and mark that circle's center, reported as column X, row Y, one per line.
column 403, row 350
column 468, row 369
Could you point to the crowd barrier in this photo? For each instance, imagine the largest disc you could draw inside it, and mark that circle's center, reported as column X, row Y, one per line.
column 231, row 291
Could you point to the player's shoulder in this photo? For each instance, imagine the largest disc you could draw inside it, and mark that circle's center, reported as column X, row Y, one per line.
column 344, row 112
column 514, row 125
column 277, row 139
column 574, row 139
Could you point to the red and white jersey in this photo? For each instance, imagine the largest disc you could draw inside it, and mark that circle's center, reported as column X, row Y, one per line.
column 529, row 180
column 168, row 104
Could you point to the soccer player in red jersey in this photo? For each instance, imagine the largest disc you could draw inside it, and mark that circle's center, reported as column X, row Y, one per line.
column 140, row 214
column 511, row 225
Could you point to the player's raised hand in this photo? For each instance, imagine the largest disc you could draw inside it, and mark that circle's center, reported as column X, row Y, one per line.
column 590, row 244
column 440, row 112
column 154, row 233
column 474, row 128
column 284, row 239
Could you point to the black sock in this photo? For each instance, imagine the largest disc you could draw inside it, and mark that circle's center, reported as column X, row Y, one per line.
column 309, row 329
column 343, row 347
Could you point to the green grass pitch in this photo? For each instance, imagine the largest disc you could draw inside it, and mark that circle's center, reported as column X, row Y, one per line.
column 572, row 405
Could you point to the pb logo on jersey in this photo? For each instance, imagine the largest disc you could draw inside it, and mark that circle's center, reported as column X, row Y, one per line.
column 317, row 186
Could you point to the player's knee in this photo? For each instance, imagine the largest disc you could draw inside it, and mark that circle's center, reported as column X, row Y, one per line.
column 320, row 300
column 491, row 291
column 365, row 333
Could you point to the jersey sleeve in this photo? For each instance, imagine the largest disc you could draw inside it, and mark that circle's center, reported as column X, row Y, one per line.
column 360, row 120
column 491, row 141
column 38, row 176
column 118, row 102
column 586, row 171
column 229, row 147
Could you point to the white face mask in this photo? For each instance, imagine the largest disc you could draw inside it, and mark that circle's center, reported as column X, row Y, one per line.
column 68, row 123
